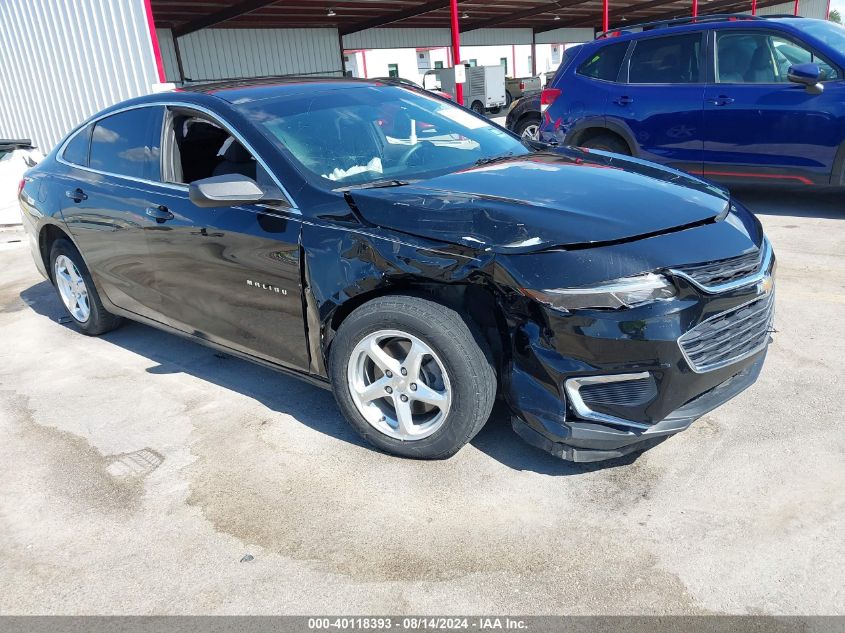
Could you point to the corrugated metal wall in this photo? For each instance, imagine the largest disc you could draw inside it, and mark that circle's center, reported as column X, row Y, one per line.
column 807, row 8
column 226, row 53
column 63, row 60
column 566, row 36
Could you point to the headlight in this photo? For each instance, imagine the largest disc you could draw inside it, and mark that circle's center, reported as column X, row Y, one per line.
column 612, row 295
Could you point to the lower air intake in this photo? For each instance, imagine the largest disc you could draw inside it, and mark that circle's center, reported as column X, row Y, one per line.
column 628, row 393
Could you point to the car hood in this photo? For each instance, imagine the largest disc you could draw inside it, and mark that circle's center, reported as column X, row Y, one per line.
column 543, row 200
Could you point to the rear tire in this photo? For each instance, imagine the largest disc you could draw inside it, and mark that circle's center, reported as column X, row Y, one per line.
column 444, row 398
column 76, row 290
column 607, row 142
column 528, row 127
column 477, row 107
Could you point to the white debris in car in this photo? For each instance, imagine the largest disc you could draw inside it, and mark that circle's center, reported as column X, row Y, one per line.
column 339, row 174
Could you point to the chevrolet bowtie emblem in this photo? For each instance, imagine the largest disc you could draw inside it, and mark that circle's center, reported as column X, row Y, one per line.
column 766, row 286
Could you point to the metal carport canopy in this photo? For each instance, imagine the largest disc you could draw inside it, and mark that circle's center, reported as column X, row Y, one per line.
column 366, row 24
column 351, row 16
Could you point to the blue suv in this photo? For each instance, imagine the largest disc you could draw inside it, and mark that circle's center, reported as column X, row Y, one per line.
column 732, row 98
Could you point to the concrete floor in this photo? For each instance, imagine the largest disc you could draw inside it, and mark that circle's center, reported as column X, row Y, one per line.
column 137, row 470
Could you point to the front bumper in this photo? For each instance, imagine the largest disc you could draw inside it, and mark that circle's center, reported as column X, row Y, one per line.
column 591, row 442
column 680, row 349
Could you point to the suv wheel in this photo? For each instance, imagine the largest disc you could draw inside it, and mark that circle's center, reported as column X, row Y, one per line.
column 77, row 292
column 607, row 142
column 412, row 377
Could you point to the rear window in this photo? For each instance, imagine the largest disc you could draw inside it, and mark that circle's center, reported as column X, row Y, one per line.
column 76, row 151
column 666, row 60
column 128, row 143
column 605, row 63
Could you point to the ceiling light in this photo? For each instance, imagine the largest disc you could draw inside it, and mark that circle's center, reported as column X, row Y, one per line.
column 557, row 17
column 331, row 13
column 465, row 15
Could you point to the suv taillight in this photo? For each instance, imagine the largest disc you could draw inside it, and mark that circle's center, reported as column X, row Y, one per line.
column 21, row 186
column 522, row 85
column 547, row 98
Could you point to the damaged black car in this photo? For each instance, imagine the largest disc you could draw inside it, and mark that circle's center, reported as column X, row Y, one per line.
column 415, row 258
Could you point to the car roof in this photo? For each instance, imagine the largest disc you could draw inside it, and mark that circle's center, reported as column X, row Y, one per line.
column 257, row 88
column 785, row 22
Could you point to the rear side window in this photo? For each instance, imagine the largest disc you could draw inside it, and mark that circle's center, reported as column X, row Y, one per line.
column 605, row 63
column 666, row 60
column 128, row 143
column 76, row 151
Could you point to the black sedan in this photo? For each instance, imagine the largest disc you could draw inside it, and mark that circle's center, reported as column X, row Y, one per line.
column 413, row 257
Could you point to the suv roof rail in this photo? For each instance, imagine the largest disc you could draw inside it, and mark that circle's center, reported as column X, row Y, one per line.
column 657, row 24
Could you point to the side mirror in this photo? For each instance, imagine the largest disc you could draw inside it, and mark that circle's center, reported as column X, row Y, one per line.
column 226, row 191
column 808, row 75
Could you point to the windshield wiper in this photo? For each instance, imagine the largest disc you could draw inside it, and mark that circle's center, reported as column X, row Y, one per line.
column 493, row 159
column 378, row 184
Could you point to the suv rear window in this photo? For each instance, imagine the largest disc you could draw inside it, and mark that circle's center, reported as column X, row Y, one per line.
column 666, row 60
column 605, row 63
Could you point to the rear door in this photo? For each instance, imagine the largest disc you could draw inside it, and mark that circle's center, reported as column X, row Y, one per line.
column 660, row 101
column 759, row 124
column 230, row 275
column 106, row 196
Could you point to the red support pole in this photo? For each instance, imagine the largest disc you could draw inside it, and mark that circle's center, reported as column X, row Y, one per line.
column 456, row 50
column 695, row 8
column 753, row 7
column 151, row 25
column 606, row 16
column 796, row 6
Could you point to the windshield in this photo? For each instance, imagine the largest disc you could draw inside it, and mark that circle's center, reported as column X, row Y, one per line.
column 366, row 134
column 828, row 32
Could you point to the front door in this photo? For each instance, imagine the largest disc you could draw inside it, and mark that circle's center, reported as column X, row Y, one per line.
column 111, row 165
column 759, row 125
column 662, row 102
column 230, row 275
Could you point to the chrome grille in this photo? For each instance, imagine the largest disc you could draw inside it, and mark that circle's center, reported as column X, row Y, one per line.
column 725, row 270
column 730, row 336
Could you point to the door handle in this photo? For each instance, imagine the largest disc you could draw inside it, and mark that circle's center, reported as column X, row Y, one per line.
column 160, row 213
column 721, row 100
column 623, row 100
column 77, row 195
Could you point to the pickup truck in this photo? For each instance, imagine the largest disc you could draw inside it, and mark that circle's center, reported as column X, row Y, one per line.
column 517, row 87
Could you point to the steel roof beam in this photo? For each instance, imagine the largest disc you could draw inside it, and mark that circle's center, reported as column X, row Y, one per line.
column 223, row 15
column 397, row 16
column 526, row 13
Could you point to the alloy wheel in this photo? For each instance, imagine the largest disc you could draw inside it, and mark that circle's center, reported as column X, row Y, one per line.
column 72, row 288
column 531, row 131
column 399, row 385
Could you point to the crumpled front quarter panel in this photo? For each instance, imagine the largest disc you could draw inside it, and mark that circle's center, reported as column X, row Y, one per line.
column 352, row 263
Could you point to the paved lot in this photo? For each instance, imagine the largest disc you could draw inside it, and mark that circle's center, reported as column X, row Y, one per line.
column 137, row 470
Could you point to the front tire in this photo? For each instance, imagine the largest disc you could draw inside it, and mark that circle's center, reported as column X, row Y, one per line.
column 412, row 377
column 77, row 292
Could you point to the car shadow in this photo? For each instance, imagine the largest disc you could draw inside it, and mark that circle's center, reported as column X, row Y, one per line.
column 310, row 405
column 173, row 354
column 821, row 202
